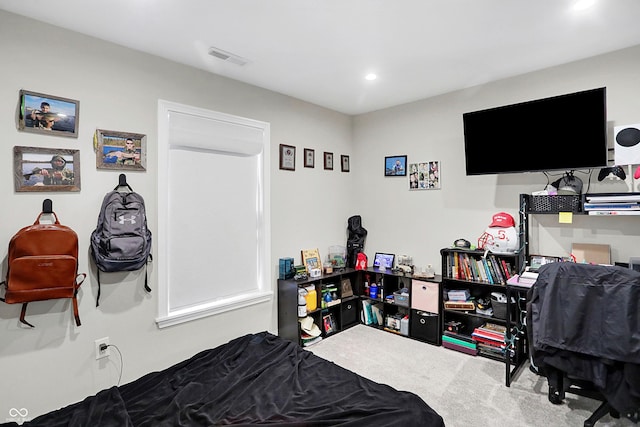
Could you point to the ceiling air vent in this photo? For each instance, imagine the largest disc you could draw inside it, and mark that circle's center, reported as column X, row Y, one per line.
column 227, row 56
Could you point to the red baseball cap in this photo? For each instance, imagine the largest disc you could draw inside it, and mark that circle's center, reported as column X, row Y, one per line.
column 502, row 219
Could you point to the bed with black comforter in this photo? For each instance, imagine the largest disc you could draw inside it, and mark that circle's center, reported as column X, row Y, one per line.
column 255, row 379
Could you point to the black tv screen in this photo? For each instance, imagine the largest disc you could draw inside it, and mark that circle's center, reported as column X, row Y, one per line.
column 565, row 132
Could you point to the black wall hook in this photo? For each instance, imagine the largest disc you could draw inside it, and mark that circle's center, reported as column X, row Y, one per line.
column 47, row 206
column 122, row 182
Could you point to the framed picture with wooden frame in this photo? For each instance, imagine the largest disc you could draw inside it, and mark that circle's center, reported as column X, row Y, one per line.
column 344, row 162
column 311, row 259
column 46, row 169
column 328, row 161
column 309, row 158
column 287, row 157
column 48, row 114
column 120, row 150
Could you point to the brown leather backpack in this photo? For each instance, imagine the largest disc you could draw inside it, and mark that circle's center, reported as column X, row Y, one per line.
column 42, row 265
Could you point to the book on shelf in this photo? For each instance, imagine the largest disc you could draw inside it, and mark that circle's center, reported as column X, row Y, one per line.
column 311, row 341
column 494, row 327
column 487, row 341
column 460, row 348
column 614, row 212
column 507, row 269
column 613, row 197
column 487, row 335
column 612, row 206
column 460, row 305
column 457, row 341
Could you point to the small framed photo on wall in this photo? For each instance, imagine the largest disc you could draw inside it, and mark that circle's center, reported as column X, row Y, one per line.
column 120, row 150
column 328, row 161
column 344, row 161
column 395, row 166
column 424, row 176
column 309, row 158
column 287, row 157
column 47, row 114
column 46, row 169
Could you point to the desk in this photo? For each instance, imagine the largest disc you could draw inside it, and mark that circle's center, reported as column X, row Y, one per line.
column 516, row 335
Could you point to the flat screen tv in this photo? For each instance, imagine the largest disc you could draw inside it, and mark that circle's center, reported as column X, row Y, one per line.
column 565, row 132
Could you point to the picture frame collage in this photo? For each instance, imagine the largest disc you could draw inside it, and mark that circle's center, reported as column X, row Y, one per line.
column 422, row 175
column 39, row 169
column 287, row 156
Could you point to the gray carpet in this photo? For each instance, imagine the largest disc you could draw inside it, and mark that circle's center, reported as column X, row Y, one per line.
column 465, row 390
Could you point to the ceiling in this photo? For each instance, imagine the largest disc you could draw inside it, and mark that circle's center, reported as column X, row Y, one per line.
column 320, row 50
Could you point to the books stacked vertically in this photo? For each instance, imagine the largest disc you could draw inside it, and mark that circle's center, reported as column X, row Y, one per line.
column 490, row 339
column 485, row 268
column 612, row 204
column 371, row 313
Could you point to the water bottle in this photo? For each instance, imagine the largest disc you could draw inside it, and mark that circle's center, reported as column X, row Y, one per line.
column 302, row 303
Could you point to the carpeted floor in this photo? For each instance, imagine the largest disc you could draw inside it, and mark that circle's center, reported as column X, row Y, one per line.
column 465, row 390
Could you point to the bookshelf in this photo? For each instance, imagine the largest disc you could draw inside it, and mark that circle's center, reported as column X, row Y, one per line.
column 478, row 310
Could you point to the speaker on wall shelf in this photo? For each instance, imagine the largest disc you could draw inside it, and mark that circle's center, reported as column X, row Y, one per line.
column 627, row 144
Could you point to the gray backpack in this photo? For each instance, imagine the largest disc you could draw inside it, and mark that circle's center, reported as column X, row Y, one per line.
column 121, row 241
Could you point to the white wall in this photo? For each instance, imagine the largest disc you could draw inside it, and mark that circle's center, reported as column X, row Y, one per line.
column 118, row 89
column 420, row 223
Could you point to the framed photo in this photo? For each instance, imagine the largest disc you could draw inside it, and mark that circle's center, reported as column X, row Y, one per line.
column 47, row 114
column 120, row 150
column 344, row 161
column 311, row 259
column 46, row 169
column 309, row 158
column 287, row 157
column 328, row 161
column 345, row 288
column 395, row 166
column 424, row 176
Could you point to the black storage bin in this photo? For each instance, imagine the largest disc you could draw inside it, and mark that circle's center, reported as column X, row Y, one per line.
column 425, row 326
column 349, row 312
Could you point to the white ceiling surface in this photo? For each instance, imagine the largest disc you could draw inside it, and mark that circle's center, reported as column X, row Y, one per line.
column 320, row 50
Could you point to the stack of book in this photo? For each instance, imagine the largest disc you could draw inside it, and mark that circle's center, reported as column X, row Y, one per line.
column 459, row 300
column 612, row 204
column 490, row 339
column 308, row 340
column 459, row 342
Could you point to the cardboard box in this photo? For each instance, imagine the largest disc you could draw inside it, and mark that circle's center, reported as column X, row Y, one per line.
column 591, row 253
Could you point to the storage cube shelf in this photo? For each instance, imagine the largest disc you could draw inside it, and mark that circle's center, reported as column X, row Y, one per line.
column 389, row 301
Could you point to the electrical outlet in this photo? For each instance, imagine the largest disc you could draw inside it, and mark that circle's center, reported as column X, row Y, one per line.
column 102, row 348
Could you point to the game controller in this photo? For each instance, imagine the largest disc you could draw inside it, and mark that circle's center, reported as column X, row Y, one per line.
column 615, row 170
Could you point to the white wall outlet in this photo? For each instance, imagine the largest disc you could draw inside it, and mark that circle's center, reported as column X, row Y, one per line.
column 102, row 348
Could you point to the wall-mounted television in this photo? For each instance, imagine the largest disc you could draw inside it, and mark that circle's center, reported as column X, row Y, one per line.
column 565, row 132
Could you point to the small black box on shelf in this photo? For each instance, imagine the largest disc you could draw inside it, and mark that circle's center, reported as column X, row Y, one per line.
column 425, row 326
column 349, row 312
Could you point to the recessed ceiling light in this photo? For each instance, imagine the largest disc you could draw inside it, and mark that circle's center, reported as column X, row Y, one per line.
column 371, row 76
column 583, row 4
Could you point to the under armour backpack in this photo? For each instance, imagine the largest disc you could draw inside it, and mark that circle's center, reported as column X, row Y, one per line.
column 121, row 240
column 42, row 264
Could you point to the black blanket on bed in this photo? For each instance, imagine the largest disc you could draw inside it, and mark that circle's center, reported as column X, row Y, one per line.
column 254, row 379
